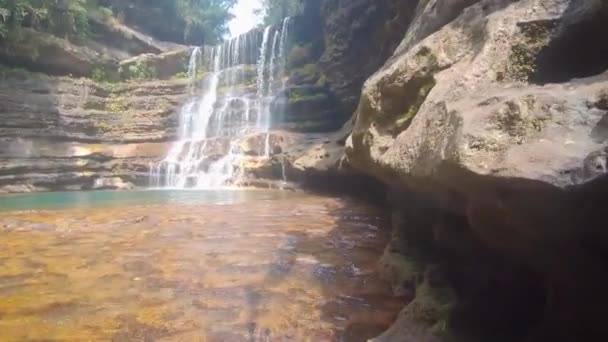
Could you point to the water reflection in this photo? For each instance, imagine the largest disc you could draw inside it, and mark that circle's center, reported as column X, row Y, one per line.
column 92, row 199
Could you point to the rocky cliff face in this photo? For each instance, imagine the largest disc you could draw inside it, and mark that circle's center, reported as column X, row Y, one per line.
column 336, row 46
column 359, row 37
column 326, row 68
column 480, row 91
column 90, row 113
column 60, row 133
column 487, row 119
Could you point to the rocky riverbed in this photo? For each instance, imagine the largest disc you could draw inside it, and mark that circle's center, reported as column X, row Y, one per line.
column 267, row 266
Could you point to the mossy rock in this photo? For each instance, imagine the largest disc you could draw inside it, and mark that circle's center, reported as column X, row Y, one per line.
column 117, row 105
column 405, row 120
column 308, row 109
column 297, row 102
column 403, row 272
column 300, row 55
column 522, row 64
column 308, row 74
column 149, row 66
column 43, row 52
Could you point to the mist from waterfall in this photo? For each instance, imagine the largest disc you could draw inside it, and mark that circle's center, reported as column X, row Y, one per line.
column 224, row 108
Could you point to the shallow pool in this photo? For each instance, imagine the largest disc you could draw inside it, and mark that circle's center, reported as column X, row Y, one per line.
column 92, row 199
column 191, row 266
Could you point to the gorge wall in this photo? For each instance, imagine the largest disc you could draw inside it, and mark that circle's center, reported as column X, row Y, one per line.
column 488, row 122
column 485, row 118
column 60, row 133
column 96, row 114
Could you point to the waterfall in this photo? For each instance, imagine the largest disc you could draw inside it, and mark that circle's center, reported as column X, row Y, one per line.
column 262, row 91
column 284, row 35
column 273, row 60
column 262, row 64
column 224, row 110
column 193, row 67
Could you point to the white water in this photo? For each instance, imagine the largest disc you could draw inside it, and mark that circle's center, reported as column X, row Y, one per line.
column 223, row 110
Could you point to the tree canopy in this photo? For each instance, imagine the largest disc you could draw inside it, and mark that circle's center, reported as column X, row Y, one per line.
column 201, row 21
column 60, row 17
column 206, row 20
column 198, row 21
column 274, row 11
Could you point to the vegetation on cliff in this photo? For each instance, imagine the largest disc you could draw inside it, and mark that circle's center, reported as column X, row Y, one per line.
column 275, row 10
column 62, row 18
column 200, row 21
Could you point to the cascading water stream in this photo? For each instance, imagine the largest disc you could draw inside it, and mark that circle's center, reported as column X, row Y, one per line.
column 212, row 124
column 282, row 47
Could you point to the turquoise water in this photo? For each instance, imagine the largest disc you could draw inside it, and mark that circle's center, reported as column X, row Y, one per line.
column 95, row 199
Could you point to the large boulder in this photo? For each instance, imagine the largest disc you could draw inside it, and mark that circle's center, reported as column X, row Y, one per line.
column 455, row 95
column 495, row 112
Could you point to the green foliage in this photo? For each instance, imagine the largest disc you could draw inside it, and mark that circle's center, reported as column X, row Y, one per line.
column 274, row 11
column 4, row 15
column 142, row 71
column 522, row 62
column 104, row 12
column 64, row 18
column 204, row 21
column 180, row 76
column 297, row 96
column 139, row 71
column 99, row 74
column 423, row 92
column 117, row 88
column 199, row 76
column 118, row 105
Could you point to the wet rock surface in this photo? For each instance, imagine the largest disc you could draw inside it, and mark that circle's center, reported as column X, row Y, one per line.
column 73, row 134
column 480, row 121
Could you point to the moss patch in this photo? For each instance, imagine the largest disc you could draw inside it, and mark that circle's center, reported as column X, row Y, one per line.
column 512, row 121
column 404, row 121
column 117, row 105
column 140, row 71
column 521, row 64
column 307, row 74
column 116, row 88
column 299, row 55
column 299, row 97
